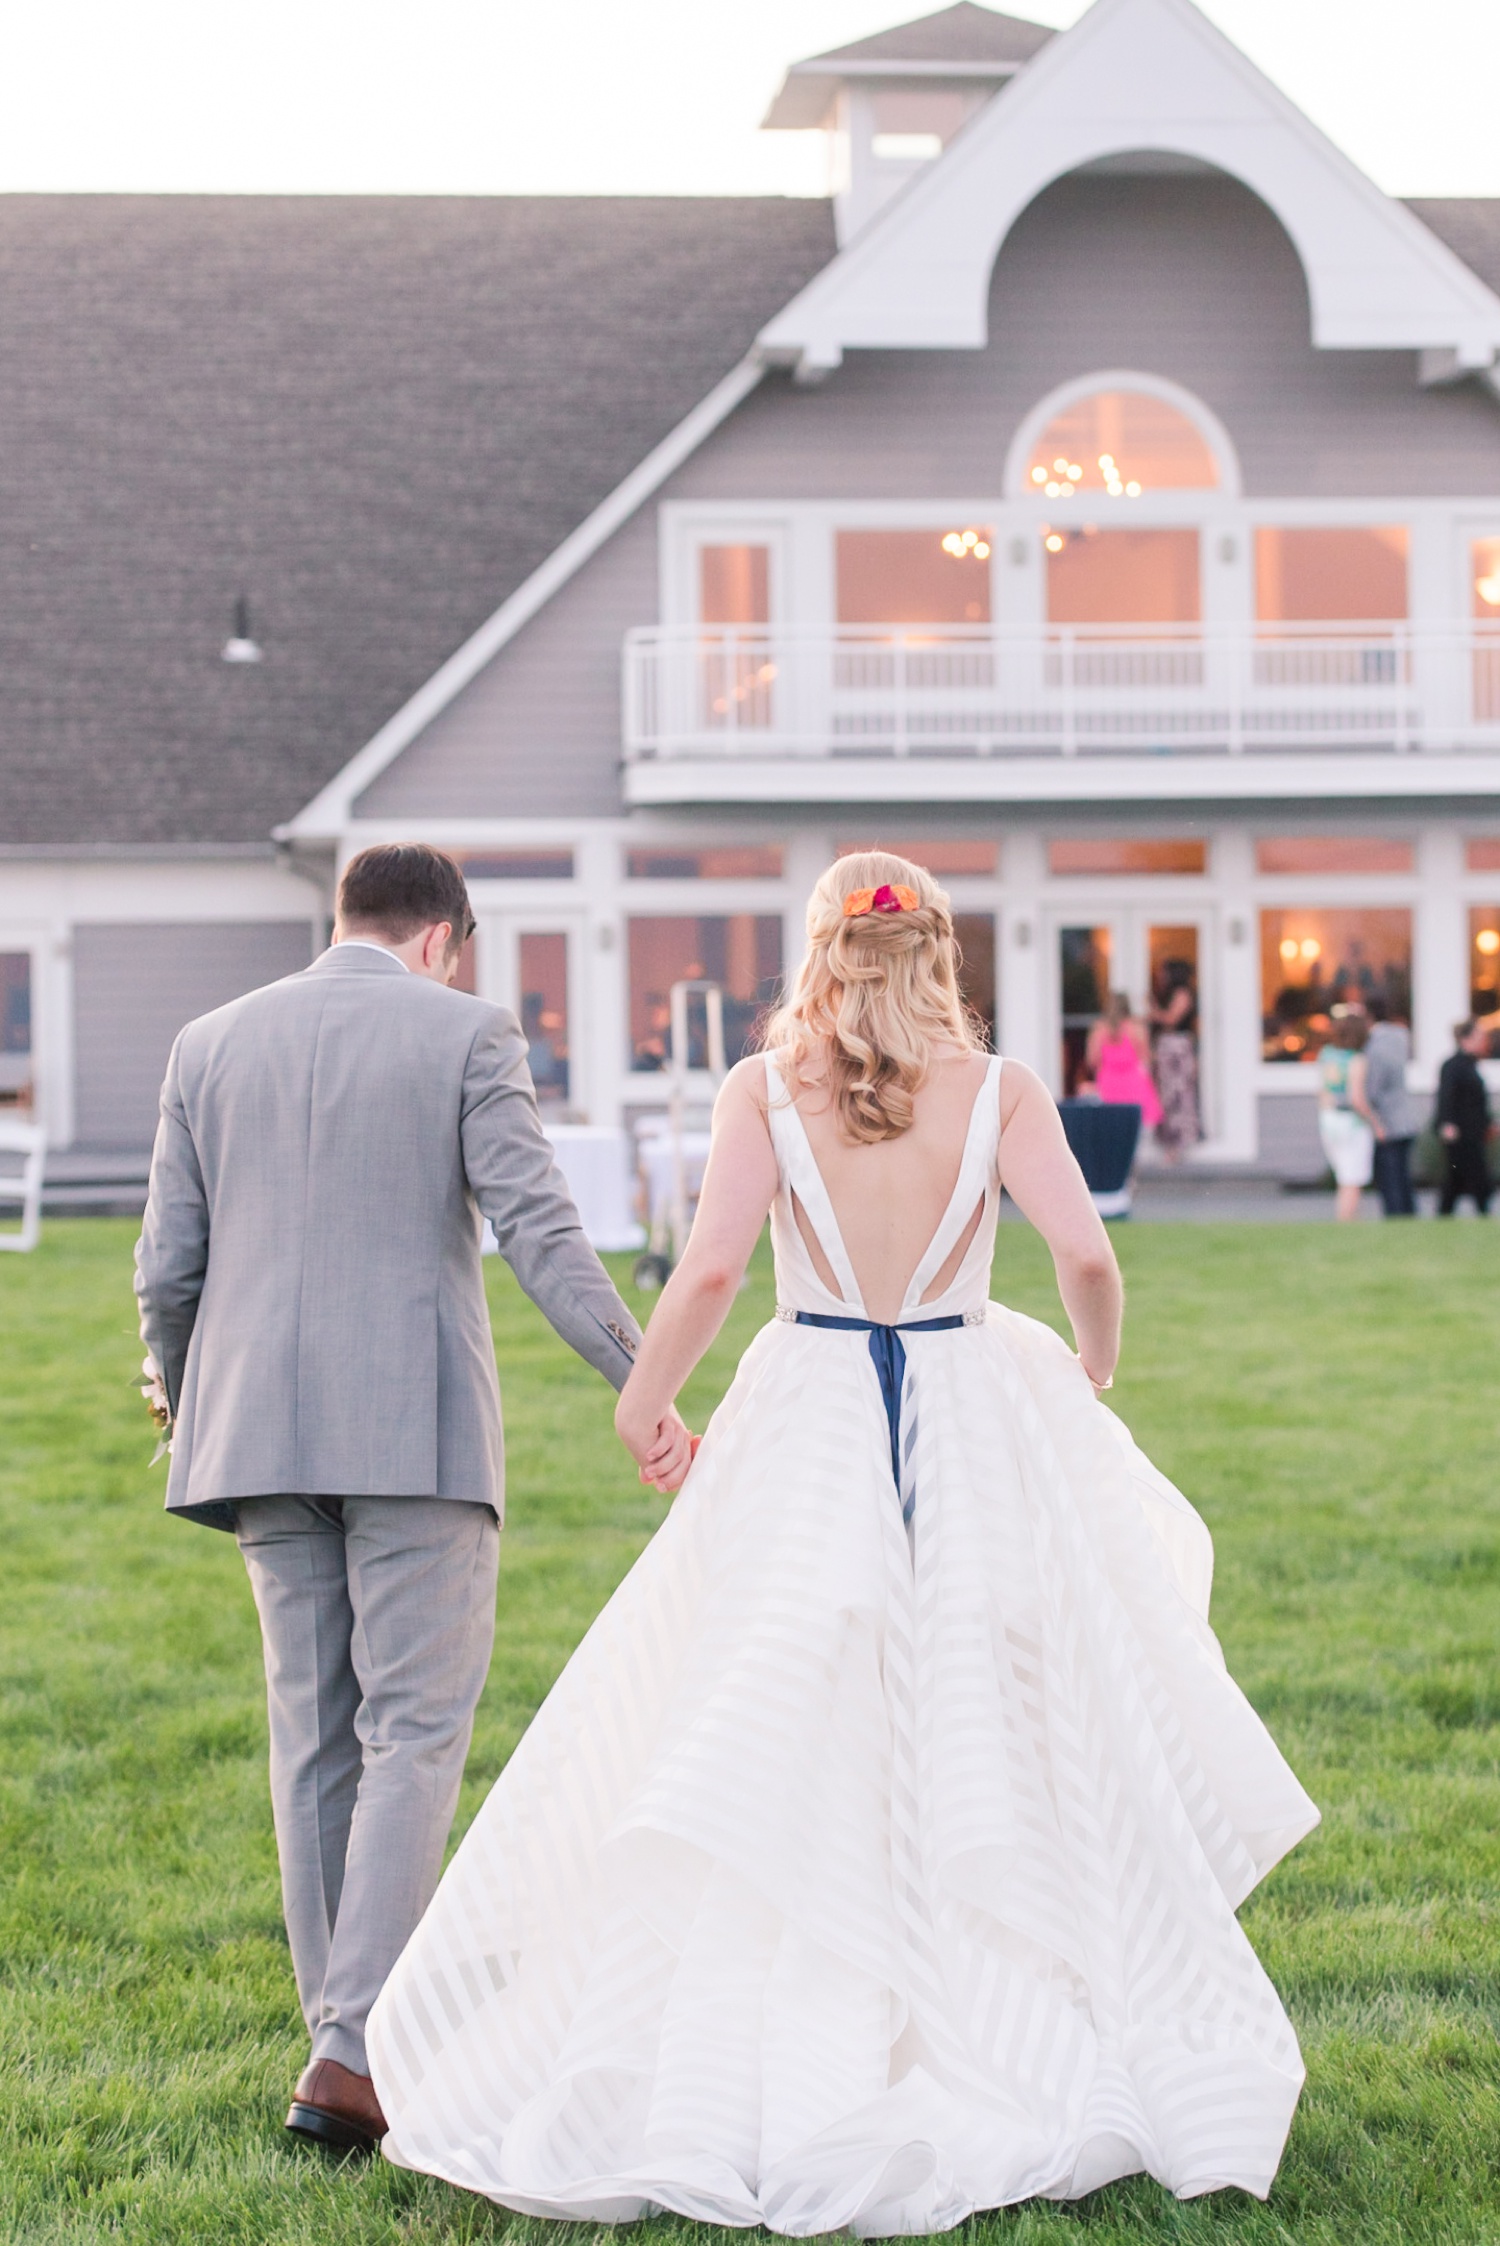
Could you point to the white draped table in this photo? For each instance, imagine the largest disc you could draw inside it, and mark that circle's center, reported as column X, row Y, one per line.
column 599, row 1165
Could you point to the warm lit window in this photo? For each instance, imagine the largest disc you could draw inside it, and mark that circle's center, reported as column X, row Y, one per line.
column 1122, row 855
column 542, row 963
column 939, row 858
column 1483, row 853
column 746, row 861
column 734, row 584
column 939, row 576
column 1310, row 576
column 1332, row 853
column 15, row 1028
column 740, row 951
column 516, row 865
column 1484, row 959
column 1122, row 443
column 1314, row 958
column 1121, row 576
column 1484, row 597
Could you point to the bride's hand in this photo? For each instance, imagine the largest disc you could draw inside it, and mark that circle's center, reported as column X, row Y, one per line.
column 663, row 1450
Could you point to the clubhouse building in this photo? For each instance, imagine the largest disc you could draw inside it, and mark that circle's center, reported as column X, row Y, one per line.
column 1097, row 497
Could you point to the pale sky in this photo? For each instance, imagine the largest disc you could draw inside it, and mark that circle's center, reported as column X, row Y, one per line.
column 614, row 96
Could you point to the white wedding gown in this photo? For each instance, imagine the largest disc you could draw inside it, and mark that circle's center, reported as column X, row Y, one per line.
column 863, row 1874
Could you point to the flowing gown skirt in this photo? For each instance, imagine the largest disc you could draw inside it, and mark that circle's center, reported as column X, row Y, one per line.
column 844, row 1880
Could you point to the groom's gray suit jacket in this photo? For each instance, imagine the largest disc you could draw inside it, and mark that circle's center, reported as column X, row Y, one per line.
column 309, row 1269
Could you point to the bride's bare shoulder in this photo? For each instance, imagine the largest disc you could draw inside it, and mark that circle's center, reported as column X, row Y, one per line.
column 1022, row 1092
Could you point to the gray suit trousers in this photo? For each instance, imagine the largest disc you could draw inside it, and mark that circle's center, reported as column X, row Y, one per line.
column 378, row 1617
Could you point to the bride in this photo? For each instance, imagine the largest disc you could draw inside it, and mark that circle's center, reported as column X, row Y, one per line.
column 875, row 1858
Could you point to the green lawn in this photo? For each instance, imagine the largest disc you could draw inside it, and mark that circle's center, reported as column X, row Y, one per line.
column 1327, row 1397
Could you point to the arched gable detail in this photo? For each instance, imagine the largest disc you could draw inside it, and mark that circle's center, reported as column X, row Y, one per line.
column 1131, row 76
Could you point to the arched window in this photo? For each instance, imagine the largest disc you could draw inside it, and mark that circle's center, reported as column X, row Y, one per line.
column 1119, row 443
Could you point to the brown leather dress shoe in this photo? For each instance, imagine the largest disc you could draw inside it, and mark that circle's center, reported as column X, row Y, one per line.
column 337, row 2108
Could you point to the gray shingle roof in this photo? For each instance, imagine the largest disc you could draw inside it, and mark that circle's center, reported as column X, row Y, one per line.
column 374, row 416
column 961, row 34
column 1469, row 224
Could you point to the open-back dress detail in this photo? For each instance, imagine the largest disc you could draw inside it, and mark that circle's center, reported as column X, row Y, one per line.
column 869, row 1865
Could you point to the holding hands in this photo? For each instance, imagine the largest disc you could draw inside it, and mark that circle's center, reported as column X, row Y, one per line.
column 661, row 1445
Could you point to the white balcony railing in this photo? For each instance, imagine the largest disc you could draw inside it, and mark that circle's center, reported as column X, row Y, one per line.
column 722, row 692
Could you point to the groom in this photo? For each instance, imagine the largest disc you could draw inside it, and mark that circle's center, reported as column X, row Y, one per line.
column 310, row 1292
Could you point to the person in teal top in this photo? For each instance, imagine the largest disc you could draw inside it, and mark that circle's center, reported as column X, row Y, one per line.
column 1347, row 1124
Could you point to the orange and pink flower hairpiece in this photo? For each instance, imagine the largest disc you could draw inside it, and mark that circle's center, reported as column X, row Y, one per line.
column 889, row 897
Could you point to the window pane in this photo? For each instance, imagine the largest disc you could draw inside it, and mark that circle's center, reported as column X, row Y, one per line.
column 15, row 1028
column 734, row 584
column 1483, row 854
column 938, row 857
column 975, row 934
column 1313, row 958
column 1318, row 576
column 914, row 576
column 1127, row 856
column 1122, row 576
column 1123, row 443
column 544, row 1011
column 516, row 865
column 1333, row 853
column 753, row 861
column 1484, row 959
column 1485, row 555
column 1083, row 965
column 740, row 951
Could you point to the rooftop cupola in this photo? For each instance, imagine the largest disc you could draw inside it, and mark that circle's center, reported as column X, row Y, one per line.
column 893, row 102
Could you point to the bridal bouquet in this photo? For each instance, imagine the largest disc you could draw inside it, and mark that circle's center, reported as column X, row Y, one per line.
column 154, row 1390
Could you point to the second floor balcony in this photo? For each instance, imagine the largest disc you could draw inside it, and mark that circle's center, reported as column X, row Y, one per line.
column 767, row 697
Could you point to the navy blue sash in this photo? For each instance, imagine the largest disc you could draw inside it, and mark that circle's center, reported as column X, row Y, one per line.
column 889, row 1353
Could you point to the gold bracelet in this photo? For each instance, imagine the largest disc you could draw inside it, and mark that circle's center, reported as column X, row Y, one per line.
column 1098, row 1386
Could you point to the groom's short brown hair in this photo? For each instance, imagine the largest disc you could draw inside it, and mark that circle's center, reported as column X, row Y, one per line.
column 396, row 888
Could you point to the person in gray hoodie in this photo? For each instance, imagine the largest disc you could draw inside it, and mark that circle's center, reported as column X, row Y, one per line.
column 1386, row 1056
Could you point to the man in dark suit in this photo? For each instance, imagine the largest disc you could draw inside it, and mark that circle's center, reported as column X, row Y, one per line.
column 1463, row 1121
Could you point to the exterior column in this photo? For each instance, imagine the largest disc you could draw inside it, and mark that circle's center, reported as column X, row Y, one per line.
column 1236, row 1032
column 1440, row 977
column 603, row 975
column 1020, row 977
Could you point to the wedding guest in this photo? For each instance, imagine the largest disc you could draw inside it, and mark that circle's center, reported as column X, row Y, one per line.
column 1386, row 1056
column 1117, row 1059
column 1174, row 1018
column 1347, row 1124
column 1463, row 1121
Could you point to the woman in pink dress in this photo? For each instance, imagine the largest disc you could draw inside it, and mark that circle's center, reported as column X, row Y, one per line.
column 1118, row 1059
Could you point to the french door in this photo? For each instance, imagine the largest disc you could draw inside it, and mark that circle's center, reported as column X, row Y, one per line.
column 532, row 963
column 1144, row 951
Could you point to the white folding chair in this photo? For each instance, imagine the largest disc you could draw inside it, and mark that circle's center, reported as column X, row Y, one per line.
column 29, row 1140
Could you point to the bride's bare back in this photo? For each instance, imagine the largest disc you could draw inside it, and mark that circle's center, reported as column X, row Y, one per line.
column 889, row 1197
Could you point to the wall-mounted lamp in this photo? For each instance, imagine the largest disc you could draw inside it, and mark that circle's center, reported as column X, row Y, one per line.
column 240, row 647
column 1022, row 937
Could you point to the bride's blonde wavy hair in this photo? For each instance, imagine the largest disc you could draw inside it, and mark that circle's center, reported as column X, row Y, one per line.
column 872, row 997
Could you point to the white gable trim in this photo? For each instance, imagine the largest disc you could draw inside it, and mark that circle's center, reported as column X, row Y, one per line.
column 331, row 810
column 1132, row 75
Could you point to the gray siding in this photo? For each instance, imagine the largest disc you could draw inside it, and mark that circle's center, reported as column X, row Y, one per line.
column 134, row 986
column 537, row 734
column 1188, row 278
column 1287, row 1127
